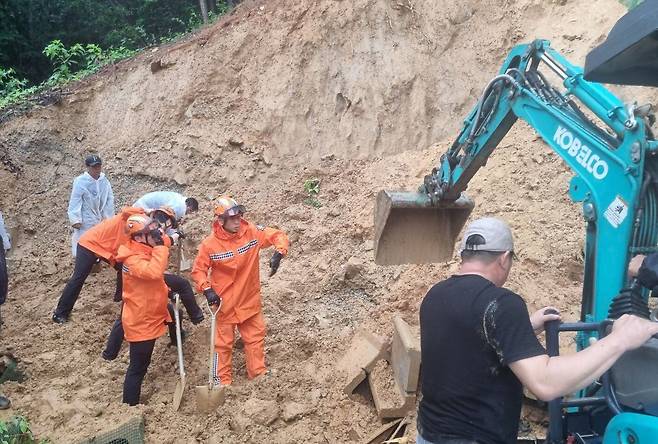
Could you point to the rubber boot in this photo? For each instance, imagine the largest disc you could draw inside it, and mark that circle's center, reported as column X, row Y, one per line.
column 172, row 326
column 5, row 403
column 114, row 341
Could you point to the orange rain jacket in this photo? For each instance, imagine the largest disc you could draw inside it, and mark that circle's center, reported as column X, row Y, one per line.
column 144, row 290
column 105, row 238
column 232, row 259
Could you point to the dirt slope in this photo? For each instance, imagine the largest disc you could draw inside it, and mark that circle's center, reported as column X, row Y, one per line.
column 362, row 94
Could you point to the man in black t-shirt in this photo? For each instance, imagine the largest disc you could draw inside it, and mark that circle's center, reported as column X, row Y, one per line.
column 479, row 348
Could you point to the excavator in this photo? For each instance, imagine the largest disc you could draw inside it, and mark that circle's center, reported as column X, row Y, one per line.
column 611, row 149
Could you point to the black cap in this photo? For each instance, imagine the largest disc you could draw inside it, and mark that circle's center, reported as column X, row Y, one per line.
column 92, row 160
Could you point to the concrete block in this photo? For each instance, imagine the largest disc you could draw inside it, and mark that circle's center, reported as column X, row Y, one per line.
column 365, row 350
column 405, row 356
column 390, row 400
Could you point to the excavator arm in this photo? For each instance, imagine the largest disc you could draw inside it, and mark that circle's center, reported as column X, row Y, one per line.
column 609, row 147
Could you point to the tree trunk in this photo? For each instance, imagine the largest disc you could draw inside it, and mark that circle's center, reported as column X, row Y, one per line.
column 212, row 5
column 204, row 10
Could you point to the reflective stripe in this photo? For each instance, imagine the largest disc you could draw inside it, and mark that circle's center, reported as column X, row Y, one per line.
column 251, row 244
column 125, row 269
column 215, row 364
column 221, row 256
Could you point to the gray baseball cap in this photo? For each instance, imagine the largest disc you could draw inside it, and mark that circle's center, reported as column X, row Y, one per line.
column 496, row 234
column 92, row 160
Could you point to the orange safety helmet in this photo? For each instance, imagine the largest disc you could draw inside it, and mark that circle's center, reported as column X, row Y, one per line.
column 164, row 214
column 138, row 224
column 227, row 206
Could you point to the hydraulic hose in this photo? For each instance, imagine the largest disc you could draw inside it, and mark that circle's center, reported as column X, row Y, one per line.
column 483, row 98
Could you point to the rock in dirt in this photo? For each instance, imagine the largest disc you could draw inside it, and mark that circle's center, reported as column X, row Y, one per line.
column 352, row 268
column 48, row 268
column 293, row 410
column 238, row 423
column 261, row 411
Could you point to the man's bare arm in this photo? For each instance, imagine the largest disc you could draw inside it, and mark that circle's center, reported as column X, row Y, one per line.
column 551, row 377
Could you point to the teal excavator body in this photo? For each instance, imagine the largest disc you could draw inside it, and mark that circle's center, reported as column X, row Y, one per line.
column 612, row 152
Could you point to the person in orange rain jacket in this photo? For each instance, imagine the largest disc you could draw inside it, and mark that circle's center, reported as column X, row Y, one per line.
column 100, row 242
column 230, row 254
column 164, row 217
column 144, row 314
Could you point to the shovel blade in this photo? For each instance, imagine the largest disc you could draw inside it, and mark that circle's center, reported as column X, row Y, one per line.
column 208, row 399
column 410, row 229
column 178, row 394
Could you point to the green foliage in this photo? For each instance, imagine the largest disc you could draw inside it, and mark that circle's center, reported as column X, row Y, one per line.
column 630, row 4
column 79, row 61
column 46, row 43
column 26, row 27
column 17, row 431
column 12, row 89
column 69, row 64
column 9, row 83
column 64, row 59
column 312, row 189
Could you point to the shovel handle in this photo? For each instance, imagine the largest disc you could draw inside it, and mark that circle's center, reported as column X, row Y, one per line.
column 213, row 324
column 179, row 339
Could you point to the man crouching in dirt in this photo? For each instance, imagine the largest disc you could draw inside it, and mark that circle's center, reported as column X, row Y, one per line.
column 98, row 243
column 144, row 315
column 230, row 253
column 478, row 348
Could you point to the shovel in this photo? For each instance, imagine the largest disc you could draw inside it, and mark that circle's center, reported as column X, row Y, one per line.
column 211, row 396
column 180, row 385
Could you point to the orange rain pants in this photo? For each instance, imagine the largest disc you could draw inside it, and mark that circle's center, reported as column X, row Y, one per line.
column 252, row 331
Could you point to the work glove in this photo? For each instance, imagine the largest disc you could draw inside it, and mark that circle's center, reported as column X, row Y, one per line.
column 212, row 297
column 648, row 272
column 156, row 235
column 197, row 318
column 275, row 261
column 173, row 237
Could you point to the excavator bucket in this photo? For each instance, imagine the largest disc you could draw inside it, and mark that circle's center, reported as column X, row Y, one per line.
column 409, row 229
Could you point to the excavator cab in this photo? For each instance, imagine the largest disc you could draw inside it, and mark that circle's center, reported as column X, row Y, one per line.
column 628, row 56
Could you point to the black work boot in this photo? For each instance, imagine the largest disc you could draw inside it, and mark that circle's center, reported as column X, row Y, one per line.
column 172, row 335
column 5, row 403
column 60, row 318
column 114, row 341
column 197, row 318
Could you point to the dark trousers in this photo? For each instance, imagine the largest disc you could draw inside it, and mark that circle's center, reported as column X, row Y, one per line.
column 84, row 261
column 4, row 277
column 178, row 285
column 140, row 358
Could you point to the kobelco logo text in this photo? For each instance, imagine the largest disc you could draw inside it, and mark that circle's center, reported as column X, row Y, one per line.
column 596, row 166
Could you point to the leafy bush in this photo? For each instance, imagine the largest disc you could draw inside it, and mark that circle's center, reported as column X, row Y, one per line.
column 70, row 64
column 17, row 431
column 79, row 61
column 312, row 189
column 12, row 89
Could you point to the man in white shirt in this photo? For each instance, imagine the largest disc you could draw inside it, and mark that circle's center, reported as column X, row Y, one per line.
column 159, row 199
column 92, row 200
